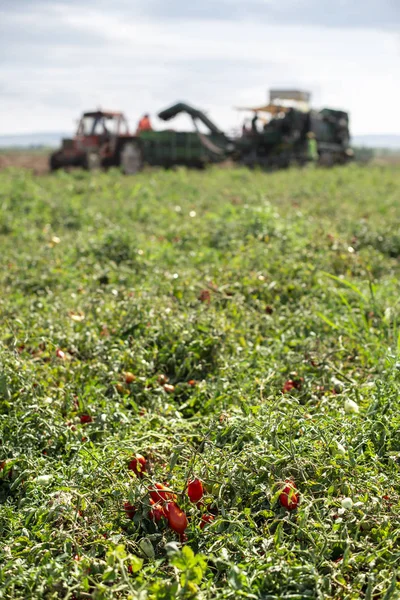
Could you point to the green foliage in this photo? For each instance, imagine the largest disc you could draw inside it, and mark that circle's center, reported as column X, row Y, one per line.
column 270, row 304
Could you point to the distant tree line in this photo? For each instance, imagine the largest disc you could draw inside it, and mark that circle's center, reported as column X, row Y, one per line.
column 365, row 154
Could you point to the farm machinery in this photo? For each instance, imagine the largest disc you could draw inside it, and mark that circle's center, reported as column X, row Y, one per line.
column 102, row 140
column 283, row 141
column 186, row 148
column 284, row 138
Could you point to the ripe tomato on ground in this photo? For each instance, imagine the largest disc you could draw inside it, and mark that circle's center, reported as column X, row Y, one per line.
column 292, row 384
column 86, row 419
column 289, row 497
column 206, row 520
column 205, row 296
column 161, row 493
column 138, row 465
column 177, row 519
column 130, row 510
column 195, row 490
column 157, row 512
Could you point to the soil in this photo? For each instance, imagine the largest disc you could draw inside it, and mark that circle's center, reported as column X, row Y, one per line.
column 38, row 162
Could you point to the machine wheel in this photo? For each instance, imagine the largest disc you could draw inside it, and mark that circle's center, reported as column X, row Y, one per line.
column 54, row 163
column 92, row 161
column 131, row 160
column 326, row 159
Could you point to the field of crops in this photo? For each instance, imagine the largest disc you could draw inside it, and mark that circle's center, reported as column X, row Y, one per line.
column 233, row 326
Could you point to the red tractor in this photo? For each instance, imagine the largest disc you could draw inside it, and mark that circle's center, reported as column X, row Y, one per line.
column 102, row 140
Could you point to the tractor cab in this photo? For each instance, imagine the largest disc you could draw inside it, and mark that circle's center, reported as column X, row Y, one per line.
column 101, row 123
column 100, row 129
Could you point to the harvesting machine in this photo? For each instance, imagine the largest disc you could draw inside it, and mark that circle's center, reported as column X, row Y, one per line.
column 283, row 139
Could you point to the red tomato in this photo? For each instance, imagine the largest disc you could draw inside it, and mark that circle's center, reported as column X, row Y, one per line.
column 195, row 490
column 60, row 354
column 161, row 493
column 138, row 465
column 177, row 519
column 129, row 377
column 205, row 296
column 169, row 388
column 157, row 512
column 86, row 419
column 130, row 510
column 289, row 385
column 192, row 382
column 205, row 520
column 292, row 384
column 289, row 497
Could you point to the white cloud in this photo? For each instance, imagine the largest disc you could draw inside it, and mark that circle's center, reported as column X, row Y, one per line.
column 83, row 57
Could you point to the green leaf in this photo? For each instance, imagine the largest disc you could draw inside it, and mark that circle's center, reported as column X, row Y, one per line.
column 4, row 391
column 135, row 563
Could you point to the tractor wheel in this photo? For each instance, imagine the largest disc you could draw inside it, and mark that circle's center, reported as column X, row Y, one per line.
column 54, row 163
column 130, row 158
column 92, row 161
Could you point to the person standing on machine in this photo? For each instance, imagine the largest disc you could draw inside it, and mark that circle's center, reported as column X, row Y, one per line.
column 144, row 124
column 312, row 148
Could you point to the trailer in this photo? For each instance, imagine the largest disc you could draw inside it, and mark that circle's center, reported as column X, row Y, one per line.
column 194, row 149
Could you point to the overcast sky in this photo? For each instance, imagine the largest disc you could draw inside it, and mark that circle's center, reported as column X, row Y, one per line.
column 59, row 57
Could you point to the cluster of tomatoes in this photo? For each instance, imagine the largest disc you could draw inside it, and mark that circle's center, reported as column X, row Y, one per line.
column 292, row 384
column 163, row 500
column 162, row 380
